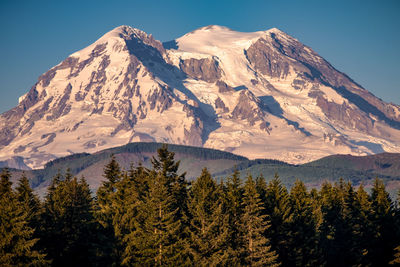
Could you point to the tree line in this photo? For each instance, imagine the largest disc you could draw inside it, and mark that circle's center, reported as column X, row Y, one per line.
column 154, row 216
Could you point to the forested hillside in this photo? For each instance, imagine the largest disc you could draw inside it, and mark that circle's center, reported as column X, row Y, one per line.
column 153, row 215
column 220, row 164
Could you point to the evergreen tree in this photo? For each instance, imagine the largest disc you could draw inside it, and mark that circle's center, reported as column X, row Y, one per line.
column 261, row 186
column 105, row 193
column 159, row 234
column 277, row 206
column 334, row 234
column 383, row 224
column 161, row 227
column 28, row 201
column 356, row 217
column 17, row 244
column 303, row 241
column 129, row 201
column 363, row 225
column 68, row 225
column 316, row 205
column 233, row 209
column 110, row 252
column 207, row 235
column 5, row 183
column 168, row 167
column 256, row 249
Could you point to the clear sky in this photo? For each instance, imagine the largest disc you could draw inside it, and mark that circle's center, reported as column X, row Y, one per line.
column 359, row 38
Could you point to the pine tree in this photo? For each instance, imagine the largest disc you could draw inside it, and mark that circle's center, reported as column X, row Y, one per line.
column 206, row 231
column 256, row 249
column 233, row 209
column 110, row 252
column 278, row 209
column 334, row 233
column 17, row 244
column 159, row 234
column 128, row 217
column 168, row 167
column 29, row 201
column 385, row 236
column 161, row 225
column 303, row 241
column 105, row 193
column 68, row 224
column 356, row 218
column 261, row 186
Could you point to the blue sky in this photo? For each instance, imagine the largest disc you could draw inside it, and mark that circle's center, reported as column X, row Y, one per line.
column 359, row 38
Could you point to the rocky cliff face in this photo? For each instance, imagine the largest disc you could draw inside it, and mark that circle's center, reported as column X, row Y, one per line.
column 261, row 94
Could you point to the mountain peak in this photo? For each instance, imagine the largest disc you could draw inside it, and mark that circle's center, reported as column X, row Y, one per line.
column 117, row 35
column 214, row 28
column 242, row 92
column 276, row 30
column 123, row 31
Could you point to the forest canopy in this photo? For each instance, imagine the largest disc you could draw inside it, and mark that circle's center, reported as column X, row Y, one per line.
column 155, row 216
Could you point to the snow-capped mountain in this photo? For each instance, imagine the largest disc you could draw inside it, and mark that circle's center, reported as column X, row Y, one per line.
column 260, row 94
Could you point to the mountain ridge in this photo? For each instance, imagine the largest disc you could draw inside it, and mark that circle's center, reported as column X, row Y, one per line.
column 262, row 94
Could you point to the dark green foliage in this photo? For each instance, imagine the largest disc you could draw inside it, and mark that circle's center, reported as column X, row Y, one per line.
column 256, row 250
column 233, row 208
column 277, row 206
column 385, row 235
column 17, row 244
column 81, row 161
column 333, row 231
column 356, row 212
column 105, row 212
column 303, row 240
column 207, row 234
column 68, row 227
column 158, row 223
column 28, row 200
column 150, row 215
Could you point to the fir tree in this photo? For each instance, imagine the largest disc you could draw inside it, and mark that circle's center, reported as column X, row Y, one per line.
column 105, row 193
column 303, row 241
column 68, row 223
column 261, row 186
column 161, row 227
column 355, row 216
column 17, row 244
column 105, row 212
column 233, row 209
column 383, row 225
column 159, row 233
column 333, row 230
column 206, row 231
column 168, row 167
column 277, row 206
column 129, row 201
column 28, row 201
column 256, row 249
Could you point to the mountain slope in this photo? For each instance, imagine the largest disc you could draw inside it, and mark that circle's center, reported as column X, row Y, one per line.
column 261, row 95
